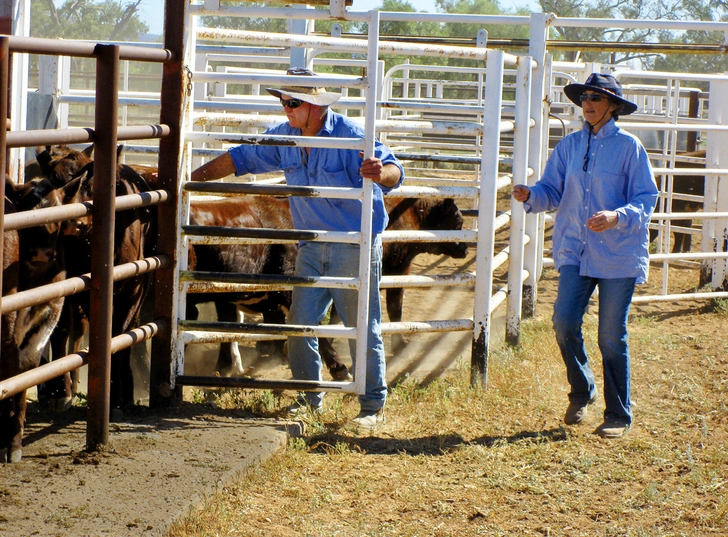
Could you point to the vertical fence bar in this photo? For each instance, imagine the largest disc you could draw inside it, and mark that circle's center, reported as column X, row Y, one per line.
column 518, row 215
column 162, row 391
column 365, row 246
column 538, row 146
column 483, row 293
column 102, row 244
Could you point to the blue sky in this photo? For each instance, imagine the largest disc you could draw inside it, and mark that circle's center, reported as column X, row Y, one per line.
column 152, row 11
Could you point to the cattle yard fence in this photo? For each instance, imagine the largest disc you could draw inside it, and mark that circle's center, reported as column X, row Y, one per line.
column 507, row 112
column 105, row 134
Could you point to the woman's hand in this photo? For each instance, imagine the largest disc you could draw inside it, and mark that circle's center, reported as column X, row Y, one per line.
column 603, row 220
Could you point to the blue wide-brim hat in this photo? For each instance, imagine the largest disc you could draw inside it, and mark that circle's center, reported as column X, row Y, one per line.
column 605, row 84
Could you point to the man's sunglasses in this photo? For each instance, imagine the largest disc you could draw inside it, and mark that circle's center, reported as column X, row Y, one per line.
column 594, row 97
column 291, row 103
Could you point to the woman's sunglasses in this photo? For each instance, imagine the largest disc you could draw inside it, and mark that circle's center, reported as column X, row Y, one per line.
column 291, row 103
column 594, row 97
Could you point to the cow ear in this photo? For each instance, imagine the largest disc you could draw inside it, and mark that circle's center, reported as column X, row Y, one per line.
column 44, row 158
column 119, row 151
column 89, row 151
column 71, row 188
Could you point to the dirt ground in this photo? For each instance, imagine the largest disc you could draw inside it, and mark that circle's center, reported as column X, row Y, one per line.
column 160, row 464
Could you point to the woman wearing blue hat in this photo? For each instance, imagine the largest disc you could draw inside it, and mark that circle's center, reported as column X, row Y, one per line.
column 600, row 182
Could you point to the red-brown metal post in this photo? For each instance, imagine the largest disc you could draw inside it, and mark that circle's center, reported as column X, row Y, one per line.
column 4, row 95
column 102, row 245
column 170, row 164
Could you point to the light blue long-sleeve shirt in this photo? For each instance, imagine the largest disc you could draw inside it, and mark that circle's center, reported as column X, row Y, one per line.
column 618, row 178
column 322, row 167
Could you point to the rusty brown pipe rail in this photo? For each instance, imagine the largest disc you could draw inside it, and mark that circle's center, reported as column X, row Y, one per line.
column 77, row 284
column 83, row 49
column 65, row 364
column 79, row 135
column 51, row 215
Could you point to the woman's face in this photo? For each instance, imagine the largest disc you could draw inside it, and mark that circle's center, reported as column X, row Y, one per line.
column 597, row 112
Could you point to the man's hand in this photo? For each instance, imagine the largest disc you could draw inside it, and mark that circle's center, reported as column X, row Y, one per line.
column 521, row 193
column 603, row 220
column 385, row 174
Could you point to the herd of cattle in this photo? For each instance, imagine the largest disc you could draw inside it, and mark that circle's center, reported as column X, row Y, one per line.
column 45, row 254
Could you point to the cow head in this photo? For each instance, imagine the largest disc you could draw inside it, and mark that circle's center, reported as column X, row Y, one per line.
column 58, row 164
column 445, row 215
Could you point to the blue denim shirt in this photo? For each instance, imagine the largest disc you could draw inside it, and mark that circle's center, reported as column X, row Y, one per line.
column 323, row 167
column 618, row 178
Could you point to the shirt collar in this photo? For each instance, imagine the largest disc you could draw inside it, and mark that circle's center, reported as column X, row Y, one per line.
column 328, row 123
column 607, row 130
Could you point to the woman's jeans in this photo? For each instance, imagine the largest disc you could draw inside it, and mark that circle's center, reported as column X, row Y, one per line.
column 310, row 305
column 615, row 296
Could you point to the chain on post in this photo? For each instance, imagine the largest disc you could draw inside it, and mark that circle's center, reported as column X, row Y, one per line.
column 188, row 76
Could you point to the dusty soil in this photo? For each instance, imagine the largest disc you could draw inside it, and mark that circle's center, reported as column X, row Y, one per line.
column 159, row 464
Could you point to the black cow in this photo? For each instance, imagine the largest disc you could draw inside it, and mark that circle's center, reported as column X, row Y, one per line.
column 684, row 184
column 251, row 211
column 134, row 239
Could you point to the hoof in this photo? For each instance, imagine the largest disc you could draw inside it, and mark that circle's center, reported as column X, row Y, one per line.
column 116, row 415
column 61, row 404
column 341, row 373
column 11, row 456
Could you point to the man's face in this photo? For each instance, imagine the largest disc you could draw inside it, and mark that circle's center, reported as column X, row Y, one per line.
column 297, row 117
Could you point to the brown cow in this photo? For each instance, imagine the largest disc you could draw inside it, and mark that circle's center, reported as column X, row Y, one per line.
column 12, row 409
column 35, row 260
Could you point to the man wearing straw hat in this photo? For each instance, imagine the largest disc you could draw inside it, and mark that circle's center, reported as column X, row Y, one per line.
column 601, row 184
column 308, row 113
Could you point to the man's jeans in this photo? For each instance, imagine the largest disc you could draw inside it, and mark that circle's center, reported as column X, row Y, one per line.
column 310, row 305
column 615, row 296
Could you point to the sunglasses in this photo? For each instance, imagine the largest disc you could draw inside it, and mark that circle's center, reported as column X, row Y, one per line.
column 291, row 103
column 594, row 97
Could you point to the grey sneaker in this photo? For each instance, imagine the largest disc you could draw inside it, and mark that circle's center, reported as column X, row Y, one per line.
column 612, row 429
column 369, row 419
column 577, row 412
column 303, row 410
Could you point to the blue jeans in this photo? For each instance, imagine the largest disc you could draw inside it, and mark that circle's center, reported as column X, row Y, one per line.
column 310, row 304
column 615, row 296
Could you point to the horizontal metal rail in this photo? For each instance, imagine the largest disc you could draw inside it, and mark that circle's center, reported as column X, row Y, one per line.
column 271, row 190
column 641, row 299
column 85, row 49
column 205, row 283
column 268, row 139
column 77, row 284
column 264, row 281
column 65, row 364
column 407, row 327
column 48, row 215
column 264, row 384
column 279, row 80
column 332, row 331
column 350, row 237
column 347, row 45
column 81, row 135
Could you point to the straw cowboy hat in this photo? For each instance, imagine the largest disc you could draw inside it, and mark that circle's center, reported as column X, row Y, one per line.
column 606, row 84
column 317, row 96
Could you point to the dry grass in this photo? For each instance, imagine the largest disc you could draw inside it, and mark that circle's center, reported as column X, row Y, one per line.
column 452, row 461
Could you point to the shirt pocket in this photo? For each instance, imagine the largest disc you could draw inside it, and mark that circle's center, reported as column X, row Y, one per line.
column 611, row 189
column 335, row 175
column 291, row 161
